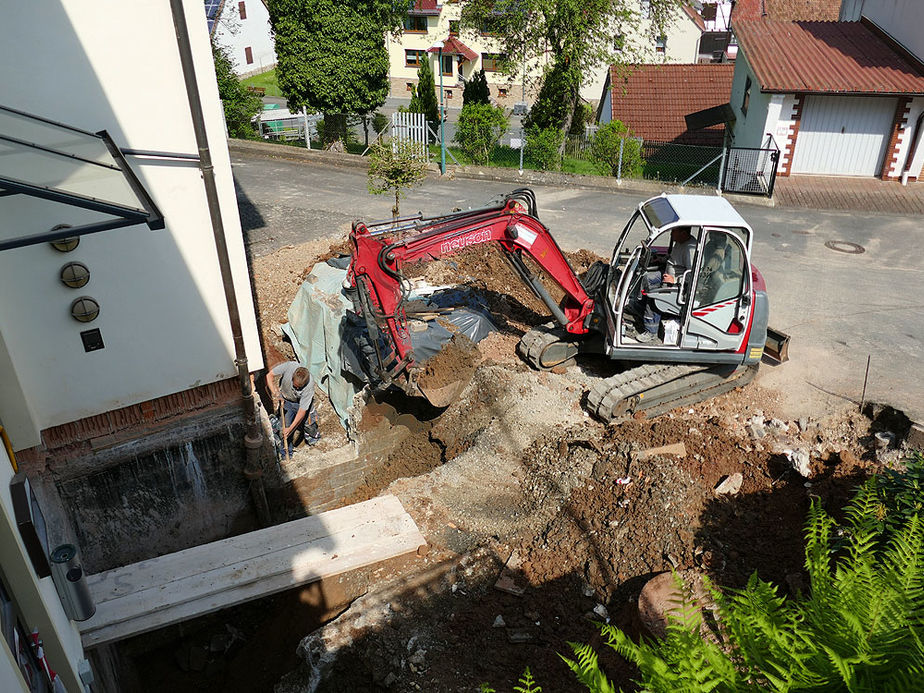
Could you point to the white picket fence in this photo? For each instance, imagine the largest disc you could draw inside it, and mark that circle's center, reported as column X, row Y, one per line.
column 409, row 129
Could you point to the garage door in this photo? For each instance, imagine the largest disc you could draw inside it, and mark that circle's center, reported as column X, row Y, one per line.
column 843, row 135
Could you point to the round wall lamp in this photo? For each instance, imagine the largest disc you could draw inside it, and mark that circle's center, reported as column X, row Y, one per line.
column 64, row 245
column 85, row 309
column 75, row 274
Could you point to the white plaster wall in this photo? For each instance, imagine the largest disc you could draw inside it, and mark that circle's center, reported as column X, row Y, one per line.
column 749, row 130
column 236, row 34
column 36, row 598
column 163, row 316
column 901, row 19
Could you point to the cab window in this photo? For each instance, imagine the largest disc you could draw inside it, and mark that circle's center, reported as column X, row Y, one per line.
column 721, row 273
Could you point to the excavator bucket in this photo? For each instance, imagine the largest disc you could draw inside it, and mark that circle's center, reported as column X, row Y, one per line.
column 444, row 376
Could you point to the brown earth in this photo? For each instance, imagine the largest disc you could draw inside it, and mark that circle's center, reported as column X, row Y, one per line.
column 514, row 473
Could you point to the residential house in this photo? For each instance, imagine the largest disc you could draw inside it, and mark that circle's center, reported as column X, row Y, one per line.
column 689, row 38
column 242, row 28
column 653, row 100
column 837, row 98
column 430, row 22
column 120, row 361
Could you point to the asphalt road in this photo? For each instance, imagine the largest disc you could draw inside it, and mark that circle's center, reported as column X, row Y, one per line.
column 838, row 307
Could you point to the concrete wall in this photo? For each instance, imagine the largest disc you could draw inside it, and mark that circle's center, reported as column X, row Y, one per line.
column 160, row 495
column 236, row 35
column 36, row 599
column 901, row 19
column 163, row 316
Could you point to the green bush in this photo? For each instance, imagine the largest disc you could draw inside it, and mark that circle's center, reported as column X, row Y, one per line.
column 476, row 90
column 379, row 122
column 240, row 104
column 479, row 128
column 604, row 151
column 542, row 147
column 859, row 628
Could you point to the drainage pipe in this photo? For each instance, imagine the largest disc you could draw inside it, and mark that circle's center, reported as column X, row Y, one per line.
column 915, row 139
column 253, row 439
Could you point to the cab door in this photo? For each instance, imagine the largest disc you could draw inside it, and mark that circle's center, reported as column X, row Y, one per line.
column 720, row 300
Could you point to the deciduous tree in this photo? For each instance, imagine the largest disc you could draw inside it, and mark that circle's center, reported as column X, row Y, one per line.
column 240, row 104
column 579, row 35
column 396, row 166
column 331, row 55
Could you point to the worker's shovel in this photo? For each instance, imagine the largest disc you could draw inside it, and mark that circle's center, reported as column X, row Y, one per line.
column 282, row 421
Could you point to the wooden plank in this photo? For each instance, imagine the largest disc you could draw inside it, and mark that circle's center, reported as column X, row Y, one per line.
column 300, row 560
column 119, row 582
column 207, row 578
column 352, row 559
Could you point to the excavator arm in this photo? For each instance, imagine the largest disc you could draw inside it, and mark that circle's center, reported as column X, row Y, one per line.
column 380, row 250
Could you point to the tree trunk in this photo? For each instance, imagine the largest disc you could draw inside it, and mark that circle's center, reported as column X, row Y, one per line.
column 569, row 117
column 394, row 210
column 334, row 128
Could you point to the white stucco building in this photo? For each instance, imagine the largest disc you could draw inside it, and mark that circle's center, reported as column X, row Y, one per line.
column 242, row 28
column 107, row 343
column 837, row 98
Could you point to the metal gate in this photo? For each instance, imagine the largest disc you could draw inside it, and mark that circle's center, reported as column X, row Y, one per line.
column 751, row 171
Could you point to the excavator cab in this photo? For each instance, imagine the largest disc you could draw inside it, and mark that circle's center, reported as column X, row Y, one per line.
column 707, row 308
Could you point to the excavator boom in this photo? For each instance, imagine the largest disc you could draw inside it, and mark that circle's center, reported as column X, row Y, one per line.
column 380, row 251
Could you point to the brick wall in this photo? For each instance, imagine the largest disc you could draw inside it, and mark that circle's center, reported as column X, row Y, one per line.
column 85, row 436
column 789, row 144
column 891, row 165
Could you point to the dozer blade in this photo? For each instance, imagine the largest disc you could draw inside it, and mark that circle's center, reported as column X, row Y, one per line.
column 777, row 345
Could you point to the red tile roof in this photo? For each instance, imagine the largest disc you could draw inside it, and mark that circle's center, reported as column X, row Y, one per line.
column 787, row 10
column 425, row 7
column 653, row 100
column 825, row 58
column 453, row 46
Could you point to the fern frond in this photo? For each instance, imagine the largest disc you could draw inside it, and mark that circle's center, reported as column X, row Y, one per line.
column 527, row 684
column 587, row 669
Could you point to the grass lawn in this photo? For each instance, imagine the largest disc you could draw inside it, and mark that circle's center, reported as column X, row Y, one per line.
column 267, row 80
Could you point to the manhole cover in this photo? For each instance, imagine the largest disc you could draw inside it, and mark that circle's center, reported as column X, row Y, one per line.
column 845, row 247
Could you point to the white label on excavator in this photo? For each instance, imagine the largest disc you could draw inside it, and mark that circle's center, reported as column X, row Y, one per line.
column 525, row 237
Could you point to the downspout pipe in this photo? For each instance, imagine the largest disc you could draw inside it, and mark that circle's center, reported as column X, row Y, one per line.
column 253, row 440
column 915, row 139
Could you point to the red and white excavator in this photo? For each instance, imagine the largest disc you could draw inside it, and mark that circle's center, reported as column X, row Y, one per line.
column 713, row 319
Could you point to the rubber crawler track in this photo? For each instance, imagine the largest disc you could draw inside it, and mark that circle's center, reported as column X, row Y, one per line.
column 657, row 388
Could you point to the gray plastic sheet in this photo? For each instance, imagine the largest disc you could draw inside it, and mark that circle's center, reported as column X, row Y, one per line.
column 333, row 343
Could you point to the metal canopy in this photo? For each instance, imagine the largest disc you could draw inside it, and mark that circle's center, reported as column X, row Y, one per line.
column 60, row 163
